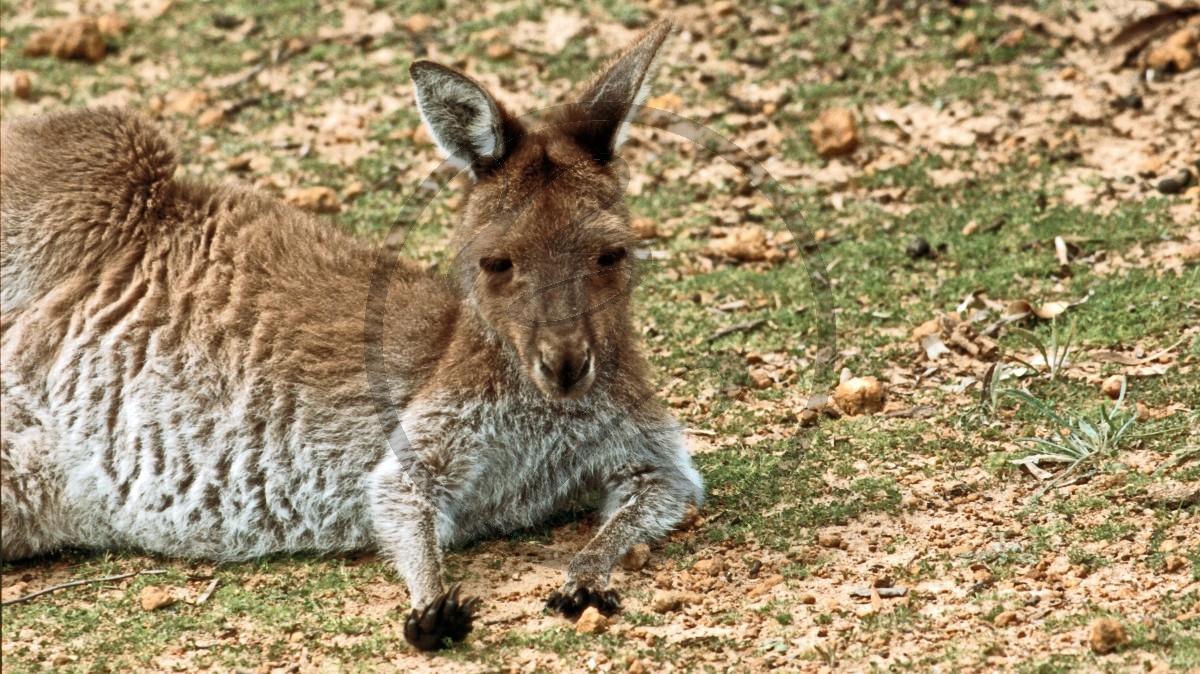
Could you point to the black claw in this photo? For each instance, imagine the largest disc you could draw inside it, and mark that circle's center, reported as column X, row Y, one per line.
column 611, row 602
column 554, row 602
column 445, row 618
column 605, row 601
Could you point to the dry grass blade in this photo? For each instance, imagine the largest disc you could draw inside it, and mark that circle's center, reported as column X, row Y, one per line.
column 208, row 591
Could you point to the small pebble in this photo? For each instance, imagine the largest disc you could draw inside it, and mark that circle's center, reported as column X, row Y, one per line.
column 636, row 558
column 755, row 567
column 1106, row 635
column 666, row 602
column 224, row 21
column 808, row 417
column 418, row 23
column 499, row 51
column 591, row 621
column 918, row 248
column 1006, row 618
column 829, row 539
column 1129, row 102
column 967, row 43
column 22, row 86
column 153, row 597
column 859, row 395
column 1112, row 386
column 1176, row 183
column 1175, row 563
column 709, row 567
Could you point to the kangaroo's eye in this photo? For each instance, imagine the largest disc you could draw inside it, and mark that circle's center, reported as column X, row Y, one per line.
column 495, row 265
column 611, row 257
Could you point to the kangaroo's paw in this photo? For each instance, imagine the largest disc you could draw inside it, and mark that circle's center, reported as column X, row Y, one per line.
column 446, row 618
column 571, row 599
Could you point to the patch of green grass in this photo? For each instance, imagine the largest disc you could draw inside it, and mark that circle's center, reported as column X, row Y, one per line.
column 640, row 618
column 1110, row 531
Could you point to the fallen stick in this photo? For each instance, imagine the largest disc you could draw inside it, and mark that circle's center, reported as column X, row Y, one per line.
column 501, row 621
column 883, row 592
column 810, row 246
column 918, row 412
column 743, row 327
column 108, row 579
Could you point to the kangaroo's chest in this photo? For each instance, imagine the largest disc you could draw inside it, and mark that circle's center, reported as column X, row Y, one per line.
column 505, row 467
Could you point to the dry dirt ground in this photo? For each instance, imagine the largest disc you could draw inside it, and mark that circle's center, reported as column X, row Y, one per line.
column 1049, row 127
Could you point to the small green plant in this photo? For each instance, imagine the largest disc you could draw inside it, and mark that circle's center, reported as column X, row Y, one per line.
column 1078, row 439
column 828, row 652
column 1091, row 560
column 1055, row 353
column 989, row 393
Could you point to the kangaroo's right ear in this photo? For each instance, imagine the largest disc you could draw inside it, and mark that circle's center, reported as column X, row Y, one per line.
column 467, row 124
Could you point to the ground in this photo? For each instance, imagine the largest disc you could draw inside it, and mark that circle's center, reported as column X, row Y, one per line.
column 997, row 222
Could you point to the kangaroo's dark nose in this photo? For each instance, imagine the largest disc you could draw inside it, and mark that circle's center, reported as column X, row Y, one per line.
column 565, row 368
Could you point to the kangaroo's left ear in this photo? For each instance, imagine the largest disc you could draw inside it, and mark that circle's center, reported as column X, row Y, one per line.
column 600, row 119
column 466, row 122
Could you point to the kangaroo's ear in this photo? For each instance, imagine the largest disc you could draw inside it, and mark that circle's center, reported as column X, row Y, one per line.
column 600, row 120
column 467, row 124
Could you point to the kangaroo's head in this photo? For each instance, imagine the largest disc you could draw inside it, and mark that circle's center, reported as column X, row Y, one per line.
column 543, row 241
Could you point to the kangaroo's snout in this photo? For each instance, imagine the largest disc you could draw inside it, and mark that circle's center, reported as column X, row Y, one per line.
column 564, row 370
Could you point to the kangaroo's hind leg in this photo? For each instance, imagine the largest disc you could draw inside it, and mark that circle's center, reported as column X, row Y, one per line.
column 32, row 513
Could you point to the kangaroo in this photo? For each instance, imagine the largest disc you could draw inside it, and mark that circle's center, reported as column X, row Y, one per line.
column 184, row 373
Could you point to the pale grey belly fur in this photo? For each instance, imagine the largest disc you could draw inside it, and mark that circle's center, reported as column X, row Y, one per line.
column 160, row 455
column 168, row 460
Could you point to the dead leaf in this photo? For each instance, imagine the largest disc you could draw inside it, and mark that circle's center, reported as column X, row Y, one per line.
column 317, row 199
column 1051, row 309
column 747, row 244
column 934, row 346
column 78, row 38
column 1147, row 27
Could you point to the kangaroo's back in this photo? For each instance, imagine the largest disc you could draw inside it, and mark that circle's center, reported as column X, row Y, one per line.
column 98, row 232
column 73, row 186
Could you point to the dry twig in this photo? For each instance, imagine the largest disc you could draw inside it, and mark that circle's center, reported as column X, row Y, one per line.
column 744, row 327
column 107, row 579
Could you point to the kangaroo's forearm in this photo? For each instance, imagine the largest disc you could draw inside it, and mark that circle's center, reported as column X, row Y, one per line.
column 649, row 510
